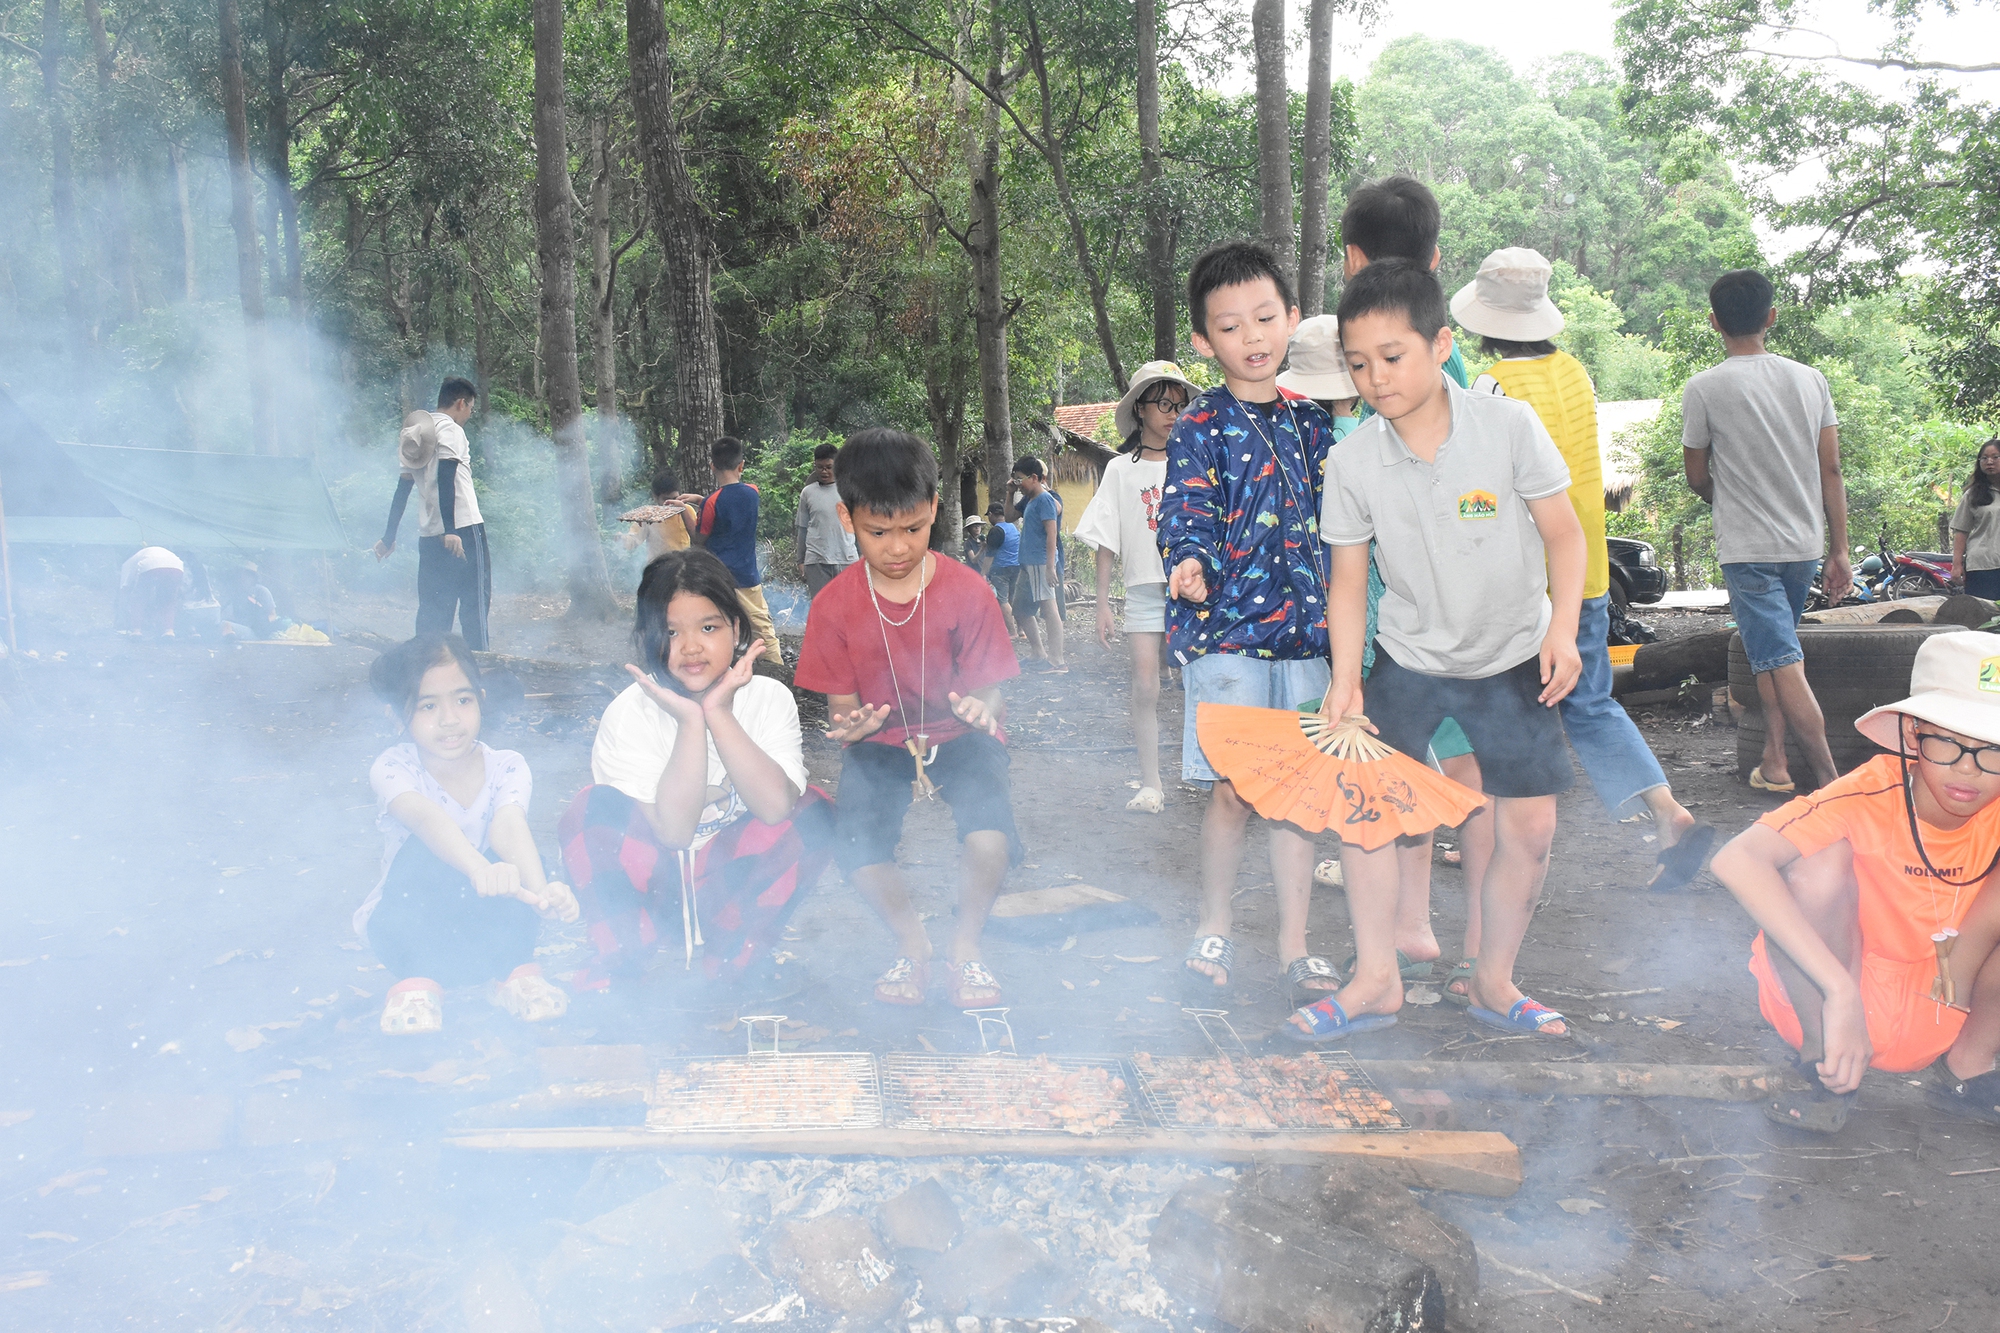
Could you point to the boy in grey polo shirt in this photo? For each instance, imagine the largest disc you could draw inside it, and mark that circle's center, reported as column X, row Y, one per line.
column 1761, row 443
column 1466, row 498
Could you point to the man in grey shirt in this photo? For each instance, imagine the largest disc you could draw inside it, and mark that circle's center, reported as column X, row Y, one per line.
column 1760, row 442
column 823, row 544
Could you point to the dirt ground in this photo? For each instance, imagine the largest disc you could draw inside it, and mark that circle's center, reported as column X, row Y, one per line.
column 202, row 1127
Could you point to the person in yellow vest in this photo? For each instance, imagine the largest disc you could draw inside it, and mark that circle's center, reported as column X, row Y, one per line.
column 1508, row 306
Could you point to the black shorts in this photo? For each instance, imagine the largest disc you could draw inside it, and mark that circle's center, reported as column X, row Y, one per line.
column 1521, row 746
column 971, row 776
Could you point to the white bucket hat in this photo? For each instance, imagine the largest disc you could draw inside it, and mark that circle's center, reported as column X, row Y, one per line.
column 1127, row 417
column 1509, row 299
column 417, row 443
column 1317, row 367
column 1955, row 683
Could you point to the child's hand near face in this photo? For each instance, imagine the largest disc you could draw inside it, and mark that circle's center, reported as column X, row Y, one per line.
column 857, row 724
column 975, row 712
column 723, row 693
column 677, row 705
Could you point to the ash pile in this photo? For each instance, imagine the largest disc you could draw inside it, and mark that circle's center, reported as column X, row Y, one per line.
column 982, row 1245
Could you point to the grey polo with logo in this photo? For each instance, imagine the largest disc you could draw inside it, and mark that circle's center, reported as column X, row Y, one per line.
column 1466, row 574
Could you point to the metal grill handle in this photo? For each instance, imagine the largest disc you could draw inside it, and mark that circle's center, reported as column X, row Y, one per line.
column 1220, row 1017
column 998, row 1018
column 750, row 1022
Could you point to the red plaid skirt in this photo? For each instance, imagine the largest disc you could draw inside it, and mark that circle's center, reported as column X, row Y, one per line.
column 747, row 879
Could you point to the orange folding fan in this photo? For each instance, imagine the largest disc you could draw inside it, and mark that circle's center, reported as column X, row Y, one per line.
column 1310, row 771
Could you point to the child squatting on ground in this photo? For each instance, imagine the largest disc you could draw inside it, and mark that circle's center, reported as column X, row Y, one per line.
column 1875, row 901
column 698, row 788
column 444, row 914
column 1466, row 499
column 909, row 649
column 1122, row 521
column 1239, row 535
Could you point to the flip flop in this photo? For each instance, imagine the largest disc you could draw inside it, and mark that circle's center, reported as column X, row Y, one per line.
column 1782, row 788
column 1462, row 972
column 1330, row 1022
column 971, row 975
column 1149, row 801
column 1526, row 1018
column 1218, row 949
column 414, row 1007
column 531, row 997
column 1408, row 968
column 1300, row 972
column 1975, row 1098
column 904, row 972
column 1804, row 1102
column 1329, row 873
column 1681, row 862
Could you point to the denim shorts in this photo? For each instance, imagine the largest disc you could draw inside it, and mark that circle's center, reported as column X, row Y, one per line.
column 1518, row 739
column 1145, row 608
column 1233, row 678
column 1767, row 598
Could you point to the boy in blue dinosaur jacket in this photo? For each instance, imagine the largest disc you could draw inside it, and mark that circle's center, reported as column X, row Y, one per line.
column 1246, row 584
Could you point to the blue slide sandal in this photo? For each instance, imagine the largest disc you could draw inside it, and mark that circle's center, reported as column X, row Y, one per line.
column 1331, row 1023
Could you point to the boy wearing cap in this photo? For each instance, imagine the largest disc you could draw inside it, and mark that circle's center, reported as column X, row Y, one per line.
column 1122, row 521
column 1875, row 903
column 1508, row 306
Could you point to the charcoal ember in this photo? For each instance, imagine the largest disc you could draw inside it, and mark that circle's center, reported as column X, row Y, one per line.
column 1269, row 1268
column 922, row 1217
column 996, row 1271
column 838, row 1263
column 647, row 1263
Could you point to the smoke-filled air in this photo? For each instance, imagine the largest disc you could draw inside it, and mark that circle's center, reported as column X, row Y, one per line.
column 999, row 666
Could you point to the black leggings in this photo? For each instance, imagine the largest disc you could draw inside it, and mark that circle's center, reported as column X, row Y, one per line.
column 432, row 923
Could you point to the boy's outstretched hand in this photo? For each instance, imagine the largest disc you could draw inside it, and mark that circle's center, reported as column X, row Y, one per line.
column 1560, row 668
column 1188, row 582
column 974, row 711
column 863, row 722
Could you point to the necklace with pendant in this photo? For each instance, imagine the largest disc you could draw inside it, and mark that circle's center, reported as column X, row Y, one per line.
column 917, row 742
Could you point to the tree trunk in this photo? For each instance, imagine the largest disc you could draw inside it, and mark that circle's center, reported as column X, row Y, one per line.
column 589, row 584
column 62, row 183
column 982, row 244
column 177, row 158
column 287, row 277
column 1159, row 244
column 685, row 245
column 1317, row 159
column 611, row 449
column 1274, row 132
column 243, row 221
column 117, row 227
column 944, row 377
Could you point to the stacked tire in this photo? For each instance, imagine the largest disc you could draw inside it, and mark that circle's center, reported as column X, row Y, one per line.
column 1851, row 668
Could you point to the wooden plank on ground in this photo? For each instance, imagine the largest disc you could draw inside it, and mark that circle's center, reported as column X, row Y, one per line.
column 1049, row 901
column 1472, row 1162
column 1715, row 1083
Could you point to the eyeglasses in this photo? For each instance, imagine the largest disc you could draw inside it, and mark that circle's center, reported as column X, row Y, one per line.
column 1175, row 406
column 1944, row 752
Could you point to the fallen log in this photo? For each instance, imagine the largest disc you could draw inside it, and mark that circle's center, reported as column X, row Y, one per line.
column 1871, row 613
column 1471, row 1162
column 1714, row 1083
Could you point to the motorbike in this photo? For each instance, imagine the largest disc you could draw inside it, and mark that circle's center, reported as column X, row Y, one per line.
column 1888, row 575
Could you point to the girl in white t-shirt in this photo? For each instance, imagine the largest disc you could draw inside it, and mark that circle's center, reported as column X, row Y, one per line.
column 699, row 788
column 462, row 889
column 1122, row 521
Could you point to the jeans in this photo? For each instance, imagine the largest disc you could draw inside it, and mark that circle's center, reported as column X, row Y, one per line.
column 1615, row 756
column 1233, row 678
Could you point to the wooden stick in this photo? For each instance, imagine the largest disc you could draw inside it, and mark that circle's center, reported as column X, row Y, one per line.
column 1715, row 1083
column 1982, row 1171
column 1475, row 1162
column 1486, row 1257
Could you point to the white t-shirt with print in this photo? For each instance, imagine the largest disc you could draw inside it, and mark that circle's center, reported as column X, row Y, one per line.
column 400, row 768
column 1123, row 517
column 635, row 738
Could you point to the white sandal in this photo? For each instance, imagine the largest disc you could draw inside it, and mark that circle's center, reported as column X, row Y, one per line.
column 413, row 1012
column 531, row 997
column 1149, row 801
column 1330, row 874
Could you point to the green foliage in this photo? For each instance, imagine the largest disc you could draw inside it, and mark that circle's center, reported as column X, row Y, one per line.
column 779, row 470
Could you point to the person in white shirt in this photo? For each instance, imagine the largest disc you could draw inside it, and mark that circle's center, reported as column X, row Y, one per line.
column 698, row 790
column 454, row 566
column 1122, row 521
column 824, row 546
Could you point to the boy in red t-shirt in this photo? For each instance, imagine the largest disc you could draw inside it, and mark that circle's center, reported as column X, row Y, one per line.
column 1877, row 904
column 909, row 648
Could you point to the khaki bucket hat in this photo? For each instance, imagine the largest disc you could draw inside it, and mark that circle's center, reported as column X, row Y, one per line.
column 1127, row 417
column 1316, row 366
column 1954, row 683
column 1509, row 298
